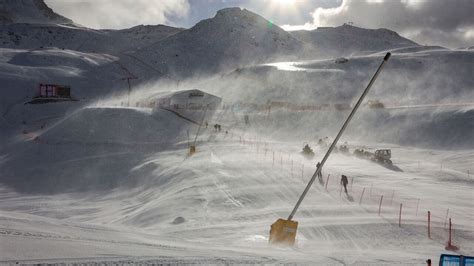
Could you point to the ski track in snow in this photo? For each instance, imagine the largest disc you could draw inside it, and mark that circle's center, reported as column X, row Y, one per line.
column 237, row 194
column 216, row 207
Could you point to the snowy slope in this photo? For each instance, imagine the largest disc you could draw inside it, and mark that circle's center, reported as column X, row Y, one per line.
column 29, row 11
column 216, row 207
column 91, row 76
column 347, row 40
column 93, row 181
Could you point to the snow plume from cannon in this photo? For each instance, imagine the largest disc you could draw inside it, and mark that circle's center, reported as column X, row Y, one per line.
column 423, row 98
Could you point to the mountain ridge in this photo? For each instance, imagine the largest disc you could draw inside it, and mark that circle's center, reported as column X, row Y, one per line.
column 347, row 39
column 29, row 11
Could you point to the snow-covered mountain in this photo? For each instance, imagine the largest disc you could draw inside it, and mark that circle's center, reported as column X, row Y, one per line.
column 38, row 36
column 347, row 39
column 29, row 11
column 100, row 180
column 232, row 38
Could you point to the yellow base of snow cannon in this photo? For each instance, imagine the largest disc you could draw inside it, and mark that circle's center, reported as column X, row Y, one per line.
column 283, row 232
column 192, row 150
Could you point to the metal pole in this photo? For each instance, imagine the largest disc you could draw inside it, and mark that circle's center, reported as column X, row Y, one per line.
column 445, row 219
column 449, row 240
column 129, row 91
column 417, row 205
column 429, row 224
column 327, row 181
column 199, row 128
column 400, row 216
column 318, row 170
column 380, row 204
column 361, row 195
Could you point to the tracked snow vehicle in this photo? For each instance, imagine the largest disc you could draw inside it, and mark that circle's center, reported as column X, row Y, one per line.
column 382, row 156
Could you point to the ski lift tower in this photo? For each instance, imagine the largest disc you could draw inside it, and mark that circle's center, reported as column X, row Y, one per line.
column 130, row 77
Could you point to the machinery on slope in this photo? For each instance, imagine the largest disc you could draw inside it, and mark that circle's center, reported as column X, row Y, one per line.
column 379, row 156
column 382, row 156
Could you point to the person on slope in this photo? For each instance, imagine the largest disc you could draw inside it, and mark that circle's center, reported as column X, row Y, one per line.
column 344, row 182
column 320, row 174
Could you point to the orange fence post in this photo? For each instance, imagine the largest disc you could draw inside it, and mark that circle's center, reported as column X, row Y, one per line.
column 449, row 239
column 361, row 195
column 380, row 204
column 449, row 245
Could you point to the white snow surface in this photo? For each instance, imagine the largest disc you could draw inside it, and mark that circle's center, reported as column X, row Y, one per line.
column 97, row 181
column 217, row 205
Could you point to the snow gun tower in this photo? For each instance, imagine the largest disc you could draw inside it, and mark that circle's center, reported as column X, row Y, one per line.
column 284, row 231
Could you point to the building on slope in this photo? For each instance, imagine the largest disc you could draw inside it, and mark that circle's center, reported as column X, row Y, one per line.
column 46, row 93
column 194, row 105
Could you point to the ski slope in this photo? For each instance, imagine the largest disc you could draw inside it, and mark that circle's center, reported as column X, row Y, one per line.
column 217, row 205
column 104, row 181
column 96, row 182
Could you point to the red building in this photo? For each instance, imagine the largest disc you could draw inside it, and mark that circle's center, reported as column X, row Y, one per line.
column 46, row 93
column 53, row 91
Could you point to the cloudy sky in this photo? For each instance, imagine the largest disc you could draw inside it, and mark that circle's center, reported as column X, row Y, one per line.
column 448, row 23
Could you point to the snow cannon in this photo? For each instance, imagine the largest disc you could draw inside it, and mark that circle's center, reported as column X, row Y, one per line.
column 283, row 232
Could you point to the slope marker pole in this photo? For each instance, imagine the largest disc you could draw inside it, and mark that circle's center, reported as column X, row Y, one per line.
column 417, row 205
column 380, row 204
column 361, row 196
column 400, row 216
column 327, row 181
column 429, row 224
column 445, row 220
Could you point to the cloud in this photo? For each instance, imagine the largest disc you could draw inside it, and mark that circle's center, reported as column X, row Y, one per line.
column 436, row 22
column 119, row 14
